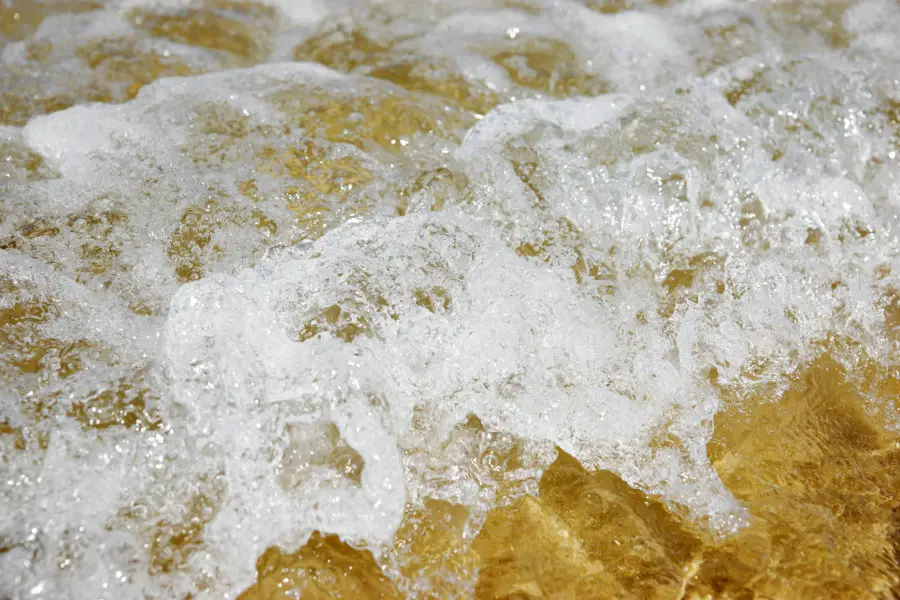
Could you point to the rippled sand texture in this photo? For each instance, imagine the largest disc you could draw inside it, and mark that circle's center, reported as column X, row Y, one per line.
column 478, row 299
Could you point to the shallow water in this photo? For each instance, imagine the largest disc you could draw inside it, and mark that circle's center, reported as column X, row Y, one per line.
column 418, row 299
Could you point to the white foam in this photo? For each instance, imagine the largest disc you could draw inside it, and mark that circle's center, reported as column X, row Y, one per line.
column 770, row 176
column 517, row 348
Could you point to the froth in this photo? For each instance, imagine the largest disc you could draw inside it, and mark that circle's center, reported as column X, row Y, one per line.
column 263, row 301
column 452, row 324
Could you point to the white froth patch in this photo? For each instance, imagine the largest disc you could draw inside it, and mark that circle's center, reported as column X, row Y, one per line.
column 516, row 347
column 517, row 118
column 78, row 141
column 631, row 50
column 606, row 166
column 295, row 12
column 83, row 140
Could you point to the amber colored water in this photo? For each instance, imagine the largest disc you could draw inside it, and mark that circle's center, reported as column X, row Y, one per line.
column 821, row 479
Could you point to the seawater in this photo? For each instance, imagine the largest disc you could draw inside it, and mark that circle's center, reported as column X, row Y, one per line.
column 426, row 299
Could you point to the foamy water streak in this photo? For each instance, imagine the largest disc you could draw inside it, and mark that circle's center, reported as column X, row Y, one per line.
column 258, row 300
